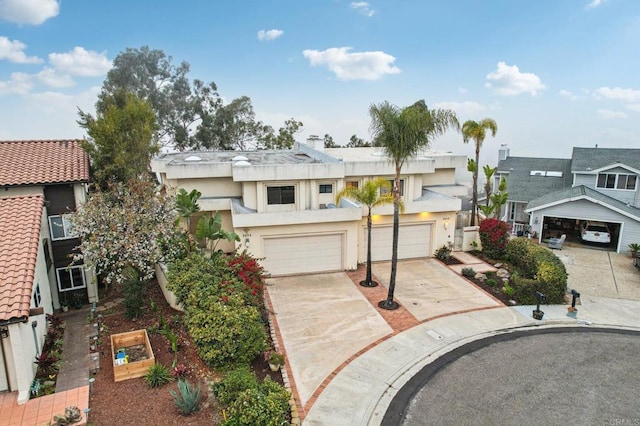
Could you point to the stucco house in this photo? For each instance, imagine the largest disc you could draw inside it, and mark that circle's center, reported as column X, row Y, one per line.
column 58, row 170
column 557, row 196
column 282, row 202
column 25, row 295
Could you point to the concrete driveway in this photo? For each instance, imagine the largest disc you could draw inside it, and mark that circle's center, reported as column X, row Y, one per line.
column 600, row 273
column 325, row 319
column 429, row 289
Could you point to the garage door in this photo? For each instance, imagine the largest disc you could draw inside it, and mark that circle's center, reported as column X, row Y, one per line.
column 413, row 241
column 303, row 254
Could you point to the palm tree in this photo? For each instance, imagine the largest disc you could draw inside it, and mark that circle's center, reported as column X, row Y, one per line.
column 370, row 196
column 472, row 130
column 402, row 133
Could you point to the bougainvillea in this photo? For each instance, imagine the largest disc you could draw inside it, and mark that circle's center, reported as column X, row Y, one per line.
column 123, row 228
column 252, row 275
column 494, row 235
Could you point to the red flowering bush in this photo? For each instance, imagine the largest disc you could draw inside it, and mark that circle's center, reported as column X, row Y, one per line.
column 252, row 275
column 494, row 235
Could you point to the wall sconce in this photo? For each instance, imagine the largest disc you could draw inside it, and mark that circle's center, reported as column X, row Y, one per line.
column 4, row 332
column 536, row 220
column 445, row 224
column 246, row 242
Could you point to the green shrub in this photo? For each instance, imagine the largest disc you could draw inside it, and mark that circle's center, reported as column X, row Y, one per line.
column 508, row 290
column 133, row 293
column 227, row 333
column 268, row 405
column 491, row 282
column 525, row 289
column 443, row 253
column 468, row 272
column 188, row 401
column 234, row 382
column 157, row 375
column 494, row 235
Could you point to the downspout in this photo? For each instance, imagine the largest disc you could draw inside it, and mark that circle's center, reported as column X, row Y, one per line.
column 5, row 325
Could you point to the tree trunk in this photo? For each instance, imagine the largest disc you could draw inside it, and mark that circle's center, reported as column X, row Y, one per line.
column 474, row 204
column 389, row 303
column 369, row 280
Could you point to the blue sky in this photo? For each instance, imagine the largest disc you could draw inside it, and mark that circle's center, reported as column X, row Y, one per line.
column 553, row 73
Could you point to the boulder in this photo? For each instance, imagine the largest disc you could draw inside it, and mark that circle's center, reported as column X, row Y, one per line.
column 480, row 277
column 502, row 273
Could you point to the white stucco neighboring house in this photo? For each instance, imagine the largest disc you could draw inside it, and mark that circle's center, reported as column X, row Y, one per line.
column 553, row 196
column 282, row 202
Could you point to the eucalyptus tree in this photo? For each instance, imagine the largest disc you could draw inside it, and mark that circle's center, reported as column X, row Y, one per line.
column 477, row 131
column 402, row 133
column 370, row 196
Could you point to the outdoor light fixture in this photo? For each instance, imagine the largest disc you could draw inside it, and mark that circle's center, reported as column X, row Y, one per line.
column 4, row 332
column 445, row 223
column 246, row 242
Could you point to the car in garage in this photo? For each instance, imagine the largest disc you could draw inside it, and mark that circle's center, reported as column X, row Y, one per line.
column 595, row 232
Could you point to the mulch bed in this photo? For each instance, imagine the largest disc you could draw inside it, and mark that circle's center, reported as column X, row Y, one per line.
column 133, row 401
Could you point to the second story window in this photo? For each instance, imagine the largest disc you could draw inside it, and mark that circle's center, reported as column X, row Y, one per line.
column 352, row 184
column 616, row 181
column 61, row 228
column 281, row 195
column 387, row 190
column 326, row 188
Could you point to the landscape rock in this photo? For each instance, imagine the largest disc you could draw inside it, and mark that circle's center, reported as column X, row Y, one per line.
column 480, row 277
column 502, row 273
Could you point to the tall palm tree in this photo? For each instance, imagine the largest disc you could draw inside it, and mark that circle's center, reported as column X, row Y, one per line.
column 370, row 196
column 402, row 133
column 477, row 131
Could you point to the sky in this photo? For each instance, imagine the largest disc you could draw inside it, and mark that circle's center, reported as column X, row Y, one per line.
column 553, row 74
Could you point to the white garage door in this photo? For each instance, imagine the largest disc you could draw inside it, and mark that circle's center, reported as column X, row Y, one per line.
column 303, row 254
column 413, row 241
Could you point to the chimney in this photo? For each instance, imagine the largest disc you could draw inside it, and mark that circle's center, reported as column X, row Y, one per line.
column 503, row 152
column 316, row 143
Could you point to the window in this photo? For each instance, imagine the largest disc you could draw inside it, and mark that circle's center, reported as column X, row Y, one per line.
column 37, row 297
column 47, row 254
column 281, row 195
column 512, row 211
column 615, row 181
column 326, row 188
column 352, row 184
column 61, row 228
column 387, row 190
column 70, row 278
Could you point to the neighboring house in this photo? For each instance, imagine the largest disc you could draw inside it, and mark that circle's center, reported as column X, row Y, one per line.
column 25, row 296
column 557, row 196
column 282, row 203
column 59, row 171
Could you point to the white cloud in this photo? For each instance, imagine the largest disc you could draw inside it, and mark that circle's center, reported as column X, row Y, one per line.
column 13, row 51
column 612, row 115
column 509, row 81
column 53, row 78
column 267, row 35
column 462, row 90
column 568, row 94
column 634, row 107
column 626, row 95
column 466, row 108
column 81, row 62
column 595, row 3
column 363, row 7
column 33, row 12
column 353, row 66
column 19, row 84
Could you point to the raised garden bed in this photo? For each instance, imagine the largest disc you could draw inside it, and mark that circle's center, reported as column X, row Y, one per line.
column 131, row 354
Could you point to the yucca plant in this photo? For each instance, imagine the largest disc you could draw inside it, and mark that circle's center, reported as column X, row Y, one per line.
column 157, row 375
column 188, row 401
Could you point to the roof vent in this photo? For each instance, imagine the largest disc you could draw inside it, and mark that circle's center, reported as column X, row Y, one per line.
column 242, row 163
column 193, row 158
column 239, row 158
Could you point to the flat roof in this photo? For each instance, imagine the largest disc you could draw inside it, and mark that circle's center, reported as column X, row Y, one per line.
column 266, row 157
column 375, row 154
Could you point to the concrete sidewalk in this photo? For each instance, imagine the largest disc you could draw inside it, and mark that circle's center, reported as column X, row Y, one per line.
column 362, row 391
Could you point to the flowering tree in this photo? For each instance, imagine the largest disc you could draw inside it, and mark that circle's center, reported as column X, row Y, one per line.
column 124, row 228
column 494, row 235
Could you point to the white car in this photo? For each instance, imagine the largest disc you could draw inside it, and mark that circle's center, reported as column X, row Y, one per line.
column 595, row 232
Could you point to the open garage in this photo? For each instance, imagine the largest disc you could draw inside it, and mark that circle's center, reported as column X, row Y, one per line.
column 554, row 227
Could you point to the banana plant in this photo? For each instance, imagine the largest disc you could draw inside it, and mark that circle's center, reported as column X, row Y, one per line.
column 209, row 231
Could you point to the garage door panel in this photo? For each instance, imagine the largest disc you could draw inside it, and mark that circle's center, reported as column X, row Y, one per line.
column 413, row 241
column 303, row 254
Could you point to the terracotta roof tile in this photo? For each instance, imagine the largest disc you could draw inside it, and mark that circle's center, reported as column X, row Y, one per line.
column 42, row 161
column 20, row 222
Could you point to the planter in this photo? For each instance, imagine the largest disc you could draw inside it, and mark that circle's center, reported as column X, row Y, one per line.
column 123, row 346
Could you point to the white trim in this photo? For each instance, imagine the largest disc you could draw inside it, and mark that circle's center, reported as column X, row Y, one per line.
column 68, row 270
column 609, row 167
column 583, row 197
column 66, row 228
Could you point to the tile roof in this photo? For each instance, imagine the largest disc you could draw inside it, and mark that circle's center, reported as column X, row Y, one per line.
column 42, row 161
column 20, row 222
column 586, row 159
column 521, row 186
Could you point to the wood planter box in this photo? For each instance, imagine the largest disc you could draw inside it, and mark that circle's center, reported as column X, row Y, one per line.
column 135, row 368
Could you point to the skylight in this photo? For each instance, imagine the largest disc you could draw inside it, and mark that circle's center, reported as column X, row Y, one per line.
column 548, row 173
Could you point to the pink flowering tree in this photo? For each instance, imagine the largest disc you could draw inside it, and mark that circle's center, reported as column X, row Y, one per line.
column 128, row 227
